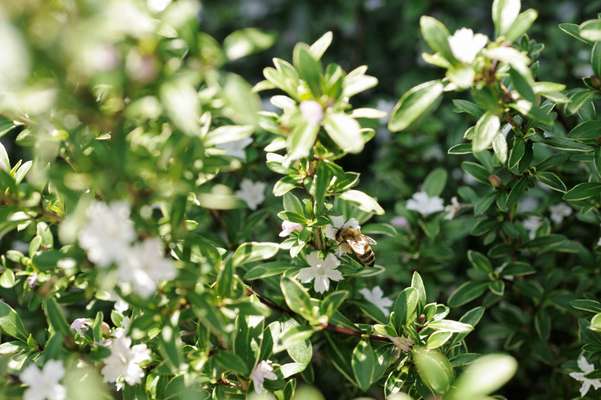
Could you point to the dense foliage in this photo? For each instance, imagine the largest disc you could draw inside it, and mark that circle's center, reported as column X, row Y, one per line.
column 196, row 221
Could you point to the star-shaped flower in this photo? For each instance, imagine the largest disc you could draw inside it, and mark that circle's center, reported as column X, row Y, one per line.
column 559, row 212
column 321, row 271
column 253, row 193
column 465, row 46
column 338, row 222
column 422, row 203
column 376, row 297
column 123, row 365
column 44, row 384
column 288, row 227
column 236, row 148
column 586, row 369
column 263, row 370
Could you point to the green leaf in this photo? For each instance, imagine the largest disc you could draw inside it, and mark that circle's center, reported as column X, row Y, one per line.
column 293, row 204
column 228, row 133
column 7, row 279
column 476, row 170
column 4, row 160
column 364, row 363
column 583, row 191
column 522, row 85
column 308, row 67
column 413, row 104
column 435, row 182
column 447, row 325
column 265, row 270
column 405, row 308
column 319, row 47
column 418, row 284
column 587, row 130
column 246, row 41
column 573, row 30
column 434, row 369
column 479, row 261
column 55, row 316
column 301, row 140
column 596, row 323
column 232, row 362
column 467, row 292
column 475, row 382
column 344, row 131
column 552, row 181
column 485, row 131
column 254, row 251
column 297, row 297
column 596, row 58
column 11, row 324
column 438, row 339
column 365, row 203
column 499, row 146
column 591, row 30
column 521, row 25
column 333, row 301
column 517, row 152
column 437, row 36
column 504, row 13
column 586, row 305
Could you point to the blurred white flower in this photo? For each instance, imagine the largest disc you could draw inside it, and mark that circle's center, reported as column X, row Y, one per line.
column 312, row 111
column 531, row 224
column 253, row 193
column 321, row 271
column 107, row 233
column 559, row 212
column 338, row 223
column 465, row 45
column 399, row 222
column 123, row 365
column 120, row 305
column 80, row 325
column 376, row 297
column 236, row 148
column 125, row 17
column 288, row 227
column 145, row 266
column 263, row 370
column 528, row 204
column 157, row 5
column 586, row 369
column 44, row 384
column 452, row 209
column 32, row 280
column 424, row 204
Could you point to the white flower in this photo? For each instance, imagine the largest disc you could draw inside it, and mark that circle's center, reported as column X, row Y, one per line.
column 465, row 45
column 123, row 365
column 252, row 193
column 452, row 209
column 338, row 223
column 235, row 148
column 586, row 368
column 321, row 271
column 312, row 111
column 424, row 204
column 288, row 227
column 107, row 233
column 375, row 296
column 145, row 267
column 528, row 204
column 531, row 224
column 263, row 370
column 44, row 384
column 559, row 212
column 120, row 305
column 80, row 325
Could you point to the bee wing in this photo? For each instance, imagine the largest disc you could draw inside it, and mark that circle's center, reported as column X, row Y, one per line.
column 369, row 240
column 359, row 245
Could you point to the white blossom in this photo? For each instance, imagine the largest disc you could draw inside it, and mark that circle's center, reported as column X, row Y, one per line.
column 312, row 111
column 253, row 193
column 452, row 209
column 263, row 370
column 107, row 233
column 559, row 212
column 288, row 227
column 376, row 297
column 338, row 222
column 120, row 305
column 531, row 224
column 80, row 325
column 44, row 384
column 321, row 271
column 422, row 203
column 145, row 266
column 123, row 365
column 586, row 369
column 236, row 148
column 466, row 46
column 399, row 222
column 528, row 204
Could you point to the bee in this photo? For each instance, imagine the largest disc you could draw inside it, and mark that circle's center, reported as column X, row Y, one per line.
column 351, row 240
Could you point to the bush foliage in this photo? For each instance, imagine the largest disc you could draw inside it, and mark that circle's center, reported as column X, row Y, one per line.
column 183, row 218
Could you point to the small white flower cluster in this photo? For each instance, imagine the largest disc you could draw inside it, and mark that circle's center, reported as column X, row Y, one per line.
column 427, row 205
column 123, row 365
column 107, row 238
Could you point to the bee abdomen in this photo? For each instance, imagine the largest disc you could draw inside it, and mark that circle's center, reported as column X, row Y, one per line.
column 369, row 258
